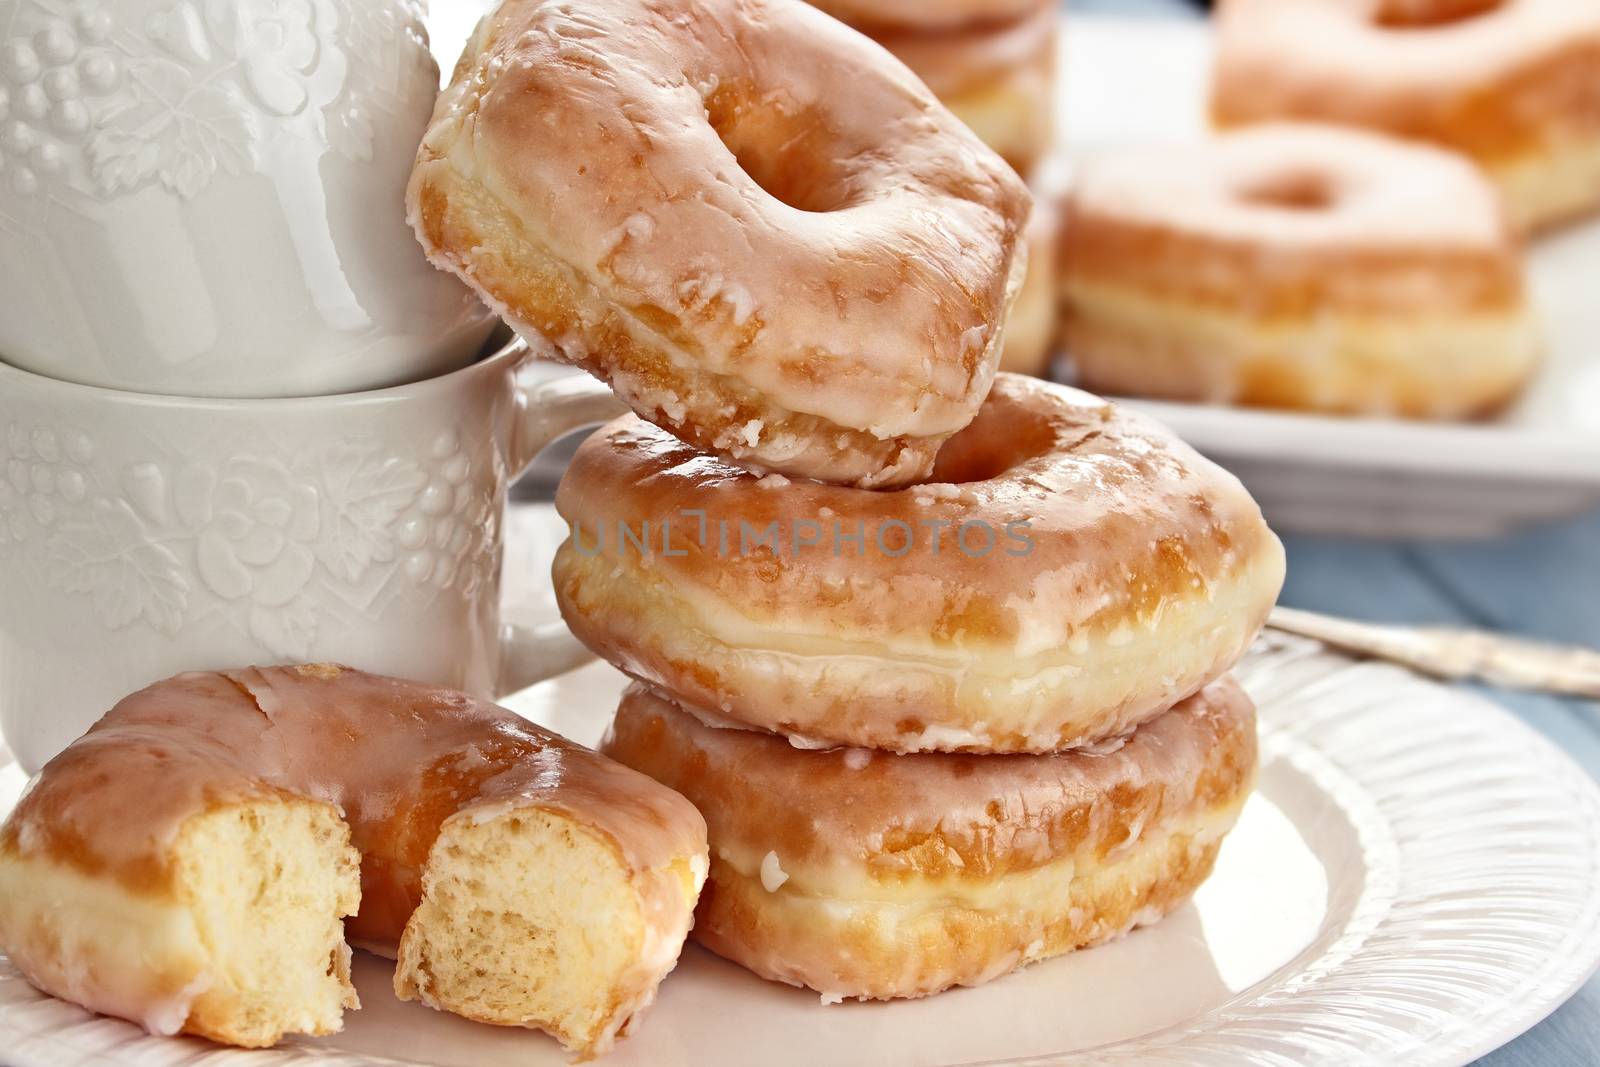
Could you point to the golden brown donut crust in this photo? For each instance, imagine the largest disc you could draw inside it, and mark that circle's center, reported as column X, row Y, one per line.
column 687, row 208
column 1149, row 572
column 902, row 875
column 1512, row 84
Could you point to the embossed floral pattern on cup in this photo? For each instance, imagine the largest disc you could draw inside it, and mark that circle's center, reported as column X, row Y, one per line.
column 154, row 543
column 41, row 472
column 93, row 101
column 256, row 528
column 449, row 532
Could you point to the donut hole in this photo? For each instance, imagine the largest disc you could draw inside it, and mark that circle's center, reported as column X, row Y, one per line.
column 790, row 156
column 1001, row 438
column 1292, row 191
column 1430, row 14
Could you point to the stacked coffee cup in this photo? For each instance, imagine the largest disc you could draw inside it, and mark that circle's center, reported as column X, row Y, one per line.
column 242, row 419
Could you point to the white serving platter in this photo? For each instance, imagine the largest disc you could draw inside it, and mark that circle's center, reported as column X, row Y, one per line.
column 1127, row 81
column 1416, row 880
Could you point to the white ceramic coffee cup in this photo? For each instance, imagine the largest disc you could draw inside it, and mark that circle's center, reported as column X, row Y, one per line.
column 206, row 197
column 142, row 536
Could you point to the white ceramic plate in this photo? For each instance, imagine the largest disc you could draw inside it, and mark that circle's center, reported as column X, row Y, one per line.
column 1414, row 882
column 1138, row 80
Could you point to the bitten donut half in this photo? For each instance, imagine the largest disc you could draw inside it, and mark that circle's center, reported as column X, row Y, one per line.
column 189, row 863
column 1072, row 570
column 874, row 875
column 684, row 200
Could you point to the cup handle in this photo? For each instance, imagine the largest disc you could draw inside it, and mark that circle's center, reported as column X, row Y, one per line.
column 547, row 410
column 530, row 654
column 552, row 408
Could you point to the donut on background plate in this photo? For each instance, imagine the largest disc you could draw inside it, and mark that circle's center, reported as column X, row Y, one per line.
column 998, row 78
column 1514, row 84
column 1296, row 266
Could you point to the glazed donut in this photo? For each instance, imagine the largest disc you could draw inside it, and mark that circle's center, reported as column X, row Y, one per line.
column 998, row 78
column 1030, row 338
column 871, row 875
column 804, row 281
column 1515, row 84
column 876, row 16
column 1072, row 570
column 527, row 881
column 1296, row 266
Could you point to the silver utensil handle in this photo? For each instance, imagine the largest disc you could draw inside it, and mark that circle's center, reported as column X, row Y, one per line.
column 1456, row 654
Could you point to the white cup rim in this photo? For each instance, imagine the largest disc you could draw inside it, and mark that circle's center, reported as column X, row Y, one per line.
column 514, row 350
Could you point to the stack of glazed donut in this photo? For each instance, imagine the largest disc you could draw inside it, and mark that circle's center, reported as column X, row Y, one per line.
column 940, row 732
column 939, row 654
column 992, row 63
